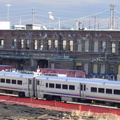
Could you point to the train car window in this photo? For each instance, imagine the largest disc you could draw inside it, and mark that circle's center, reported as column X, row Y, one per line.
column 46, row 84
column 109, row 91
column 58, row 86
column 117, row 92
column 84, row 87
column 101, row 90
column 2, row 80
column 7, row 80
column 51, row 85
column 81, row 87
column 19, row 82
column 93, row 89
column 64, row 86
column 71, row 87
column 38, row 83
column 29, row 81
column 13, row 81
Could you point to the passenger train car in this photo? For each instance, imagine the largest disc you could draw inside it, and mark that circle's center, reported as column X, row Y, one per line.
column 60, row 88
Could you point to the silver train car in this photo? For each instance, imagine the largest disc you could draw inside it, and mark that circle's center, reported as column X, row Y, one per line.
column 61, row 88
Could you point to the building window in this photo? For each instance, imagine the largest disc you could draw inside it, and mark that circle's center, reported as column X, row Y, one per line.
column 86, row 46
column 14, row 43
column 103, row 46
column 102, row 68
column 1, row 43
column 64, row 44
column 95, row 68
column 113, row 47
column 86, row 68
column 22, row 43
column 35, row 44
column 56, row 44
column 71, row 45
column 96, row 46
column 49, row 44
column 119, row 47
column 41, row 45
column 27, row 44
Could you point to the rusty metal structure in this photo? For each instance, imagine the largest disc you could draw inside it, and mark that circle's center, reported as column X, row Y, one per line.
column 97, row 52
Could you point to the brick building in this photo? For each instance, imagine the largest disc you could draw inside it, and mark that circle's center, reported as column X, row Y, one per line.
column 96, row 52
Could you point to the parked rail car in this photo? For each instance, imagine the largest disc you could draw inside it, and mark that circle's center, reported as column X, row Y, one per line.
column 16, row 83
column 61, row 88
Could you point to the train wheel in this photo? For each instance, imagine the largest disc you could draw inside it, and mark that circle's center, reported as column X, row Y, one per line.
column 21, row 94
column 117, row 105
column 48, row 97
column 57, row 98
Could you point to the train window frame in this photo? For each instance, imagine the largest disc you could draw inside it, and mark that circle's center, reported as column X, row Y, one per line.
column 101, row 90
column 116, row 92
column 8, row 81
column 81, row 87
column 93, row 89
column 64, row 86
column 19, row 82
column 2, row 80
column 38, row 82
column 47, row 85
column 13, row 81
column 58, row 86
column 108, row 91
column 29, row 81
column 51, row 85
column 71, row 87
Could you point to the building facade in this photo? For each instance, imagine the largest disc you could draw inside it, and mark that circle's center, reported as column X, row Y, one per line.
column 95, row 52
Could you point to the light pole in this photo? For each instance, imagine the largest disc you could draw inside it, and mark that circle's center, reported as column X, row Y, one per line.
column 49, row 18
column 58, row 23
column 8, row 5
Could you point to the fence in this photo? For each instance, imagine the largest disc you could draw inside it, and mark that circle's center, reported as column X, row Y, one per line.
column 54, row 105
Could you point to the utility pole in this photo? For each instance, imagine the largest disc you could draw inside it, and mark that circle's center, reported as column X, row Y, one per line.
column 33, row 14
column 58, row 23
column 112, row 16
column 8, row 5
column 95, row 17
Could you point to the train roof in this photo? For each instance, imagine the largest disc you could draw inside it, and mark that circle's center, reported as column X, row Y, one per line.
column 68, row 79
column 80, row 80
column 16, row 74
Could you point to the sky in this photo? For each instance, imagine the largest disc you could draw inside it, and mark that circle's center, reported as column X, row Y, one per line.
column 67, row 11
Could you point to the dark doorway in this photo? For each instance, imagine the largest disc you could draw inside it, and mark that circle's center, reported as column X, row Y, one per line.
column 42, row 63
column 20, row 64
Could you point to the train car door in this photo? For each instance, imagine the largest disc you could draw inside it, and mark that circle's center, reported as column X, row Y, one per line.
column 82, row 90
column 31, row 87
column 37, row 88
